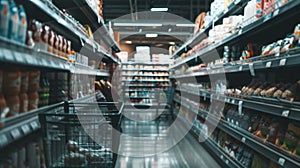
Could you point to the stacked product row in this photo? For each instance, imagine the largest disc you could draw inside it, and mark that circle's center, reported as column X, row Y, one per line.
column 254, row 10
column 144, row 83
column 269, row 129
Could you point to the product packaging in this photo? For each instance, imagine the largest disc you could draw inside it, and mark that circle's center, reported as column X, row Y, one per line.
column 4, row 17
column 22, row 25
column 13, row 22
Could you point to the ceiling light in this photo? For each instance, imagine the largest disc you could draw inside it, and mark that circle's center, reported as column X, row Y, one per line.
column 128, row 42
column 169, row 30
column 159, row 9
column 138, row 24
column 172, row 43
column 185, row 25
column 151, row 35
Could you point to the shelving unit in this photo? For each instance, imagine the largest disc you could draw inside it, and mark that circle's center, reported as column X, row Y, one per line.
column 67, row 76
column 60, row 22
column 235, row 7
column 137, row 76
column 238, row 74
column 262, row 26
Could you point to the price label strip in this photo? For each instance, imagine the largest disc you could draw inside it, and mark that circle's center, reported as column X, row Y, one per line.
column 15, row 133
column 251, row 67
column 8, row 55
column 34, row 125
column 268, row 64
column 25, row 129
column 19, row 57
column 3, row 140
column 240, row 108
column 282, row 62
column 286, row 113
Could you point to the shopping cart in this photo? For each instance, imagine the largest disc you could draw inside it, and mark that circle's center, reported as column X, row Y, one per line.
column 82, row 135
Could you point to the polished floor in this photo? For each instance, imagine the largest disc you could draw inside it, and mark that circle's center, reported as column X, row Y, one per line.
column 148, row 144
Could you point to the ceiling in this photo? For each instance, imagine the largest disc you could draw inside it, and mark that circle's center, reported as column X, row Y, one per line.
column 188, row 9
column 133, row 19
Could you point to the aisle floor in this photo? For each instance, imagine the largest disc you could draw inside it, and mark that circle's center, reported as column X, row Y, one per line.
column 139, row 148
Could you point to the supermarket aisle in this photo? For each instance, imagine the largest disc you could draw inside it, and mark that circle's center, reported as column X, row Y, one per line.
column 186, row 153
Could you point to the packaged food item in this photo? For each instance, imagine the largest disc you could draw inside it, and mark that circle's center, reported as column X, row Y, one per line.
column 33, row 101
column 13, row 103
column 60, row 45
column 3, row 106
column 34, row 81
column 13, row 21
column 270, row 92
column 51, row 38
column 260, row 88
column 277, row 94
column 22, row 25
column 280, row 135
column 12, row 82
column 297, row 150
column 56, row 44
column 273, row 130
column 23, row 102
column 292, row 93
column 291, row 137
column 36, row 28
column 44, row 37
column 29, row 40
column 4, row 17
column 24, row 82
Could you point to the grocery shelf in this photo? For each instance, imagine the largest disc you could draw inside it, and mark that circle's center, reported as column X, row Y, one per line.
column 145, row 75
column 145, row 63
column 271, row 151
column 21, row 54
column 279, row 156
column 140, row 90
column 140, row 97
column 144, row 70
column 145, row 104
column 82, row 10
column 12, row 52
column 145, row 80
column 217, row 150
column 282, row 108
column 235, row 6
column 46, row 11
column 17, row 127
column 214, row 148
column 86, row 70
column 251, row 29
column 14, row 128
column 291, row 58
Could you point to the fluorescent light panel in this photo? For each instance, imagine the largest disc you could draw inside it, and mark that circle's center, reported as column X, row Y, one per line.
column 128, row 42
column 138, row 24
column 159, row 9
column 151, row 35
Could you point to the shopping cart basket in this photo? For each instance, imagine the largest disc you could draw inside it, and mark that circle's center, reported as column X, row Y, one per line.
column 82, row 135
